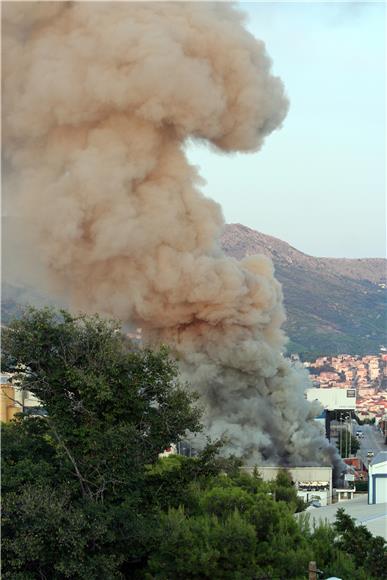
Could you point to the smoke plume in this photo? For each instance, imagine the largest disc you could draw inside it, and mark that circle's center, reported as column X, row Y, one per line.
column 99, row 99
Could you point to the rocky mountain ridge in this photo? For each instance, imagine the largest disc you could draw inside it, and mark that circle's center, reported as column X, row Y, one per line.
column 333, row 305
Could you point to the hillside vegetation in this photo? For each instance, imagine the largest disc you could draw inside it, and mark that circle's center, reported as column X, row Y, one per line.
column 333, row 305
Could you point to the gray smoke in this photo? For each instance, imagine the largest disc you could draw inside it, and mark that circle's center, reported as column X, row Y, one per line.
column 99, row 100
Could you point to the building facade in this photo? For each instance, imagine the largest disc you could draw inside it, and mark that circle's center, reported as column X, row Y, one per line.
column 377, row 479
column 16, row 400
column 312, row 483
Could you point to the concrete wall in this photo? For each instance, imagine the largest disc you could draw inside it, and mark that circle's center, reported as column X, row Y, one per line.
column 269, row 473
column 15, row 400
column 377, row 483
column 333, row 399
column 8, row 406
column 300, row 475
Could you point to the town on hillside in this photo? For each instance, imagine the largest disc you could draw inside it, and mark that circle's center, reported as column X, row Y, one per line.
column 366, row 375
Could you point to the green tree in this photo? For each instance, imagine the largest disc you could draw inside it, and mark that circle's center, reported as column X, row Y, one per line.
column 227, row 511
column 203, row 547
column 284, row 490
column 367, row 550
column 47, row 534
column 111, row 410
column 28, row 455
column 331, row 559
column 223, row 501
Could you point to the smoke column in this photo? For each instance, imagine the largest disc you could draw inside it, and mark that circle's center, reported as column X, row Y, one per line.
column 99, row 99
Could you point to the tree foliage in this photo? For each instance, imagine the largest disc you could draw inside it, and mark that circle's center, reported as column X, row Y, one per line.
column 367, row 550
column 284, row 490
column 85, row 494
column 111, row 409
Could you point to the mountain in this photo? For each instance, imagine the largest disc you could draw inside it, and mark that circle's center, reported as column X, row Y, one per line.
column 333, row 305
column 14, row 296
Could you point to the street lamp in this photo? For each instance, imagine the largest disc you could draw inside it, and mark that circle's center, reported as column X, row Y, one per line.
column 345, row 446
column 348, row 435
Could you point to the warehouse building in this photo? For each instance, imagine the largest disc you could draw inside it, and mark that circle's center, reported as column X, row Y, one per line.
column 377, row 479
column 312, row 483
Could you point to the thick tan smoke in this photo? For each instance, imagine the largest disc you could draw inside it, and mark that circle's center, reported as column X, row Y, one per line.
column 99, row 99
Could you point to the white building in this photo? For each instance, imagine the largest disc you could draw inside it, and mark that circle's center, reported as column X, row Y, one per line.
column 334, row 398
column 312, row 483
column 377, row 479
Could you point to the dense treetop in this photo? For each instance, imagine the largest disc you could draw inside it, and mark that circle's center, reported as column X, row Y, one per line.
column 85, row 494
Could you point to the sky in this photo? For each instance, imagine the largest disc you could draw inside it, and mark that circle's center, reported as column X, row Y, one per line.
column 319, row 182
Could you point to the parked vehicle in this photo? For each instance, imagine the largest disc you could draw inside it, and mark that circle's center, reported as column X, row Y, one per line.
column 316, row 503
column 370, row 453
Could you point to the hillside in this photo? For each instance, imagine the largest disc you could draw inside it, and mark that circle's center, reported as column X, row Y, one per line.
column 333, row 305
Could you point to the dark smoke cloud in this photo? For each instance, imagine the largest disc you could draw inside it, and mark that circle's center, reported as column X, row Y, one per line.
column 99, row 100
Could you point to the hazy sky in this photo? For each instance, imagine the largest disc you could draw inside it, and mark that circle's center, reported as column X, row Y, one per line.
column 319, row 182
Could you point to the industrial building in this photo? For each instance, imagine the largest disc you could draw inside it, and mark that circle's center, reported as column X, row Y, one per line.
column 337, row 403
column 377, row 479
column 312, row 483
column 333, row 399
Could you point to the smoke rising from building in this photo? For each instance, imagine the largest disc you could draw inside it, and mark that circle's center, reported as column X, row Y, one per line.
column 99, row 100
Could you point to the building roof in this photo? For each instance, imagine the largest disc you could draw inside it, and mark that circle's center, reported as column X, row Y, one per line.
column 381, row 457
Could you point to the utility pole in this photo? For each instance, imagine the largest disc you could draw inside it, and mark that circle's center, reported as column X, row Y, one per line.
column 350, row 434
column 347, row 440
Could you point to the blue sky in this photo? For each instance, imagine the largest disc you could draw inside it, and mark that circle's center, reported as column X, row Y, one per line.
column 319, row 182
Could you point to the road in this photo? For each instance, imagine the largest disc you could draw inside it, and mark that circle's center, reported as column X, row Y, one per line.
column 374, row 516
column 373, row 440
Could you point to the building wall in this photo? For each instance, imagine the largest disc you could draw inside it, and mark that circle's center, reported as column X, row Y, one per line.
column 377, row 483
column 334, row 398
column 15, row 400
column 300, row 475
column 9, row 407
